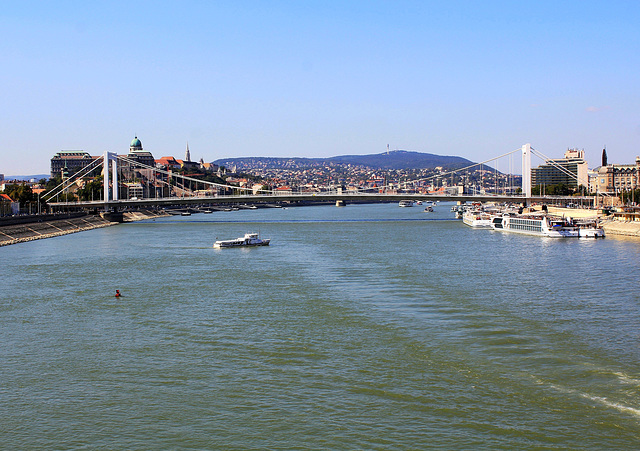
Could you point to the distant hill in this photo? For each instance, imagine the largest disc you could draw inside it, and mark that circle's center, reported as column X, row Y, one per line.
column 397, row 159
column 27, row 177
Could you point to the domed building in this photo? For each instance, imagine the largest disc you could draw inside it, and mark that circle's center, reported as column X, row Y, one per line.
column 136, row 172
column 138, row 154
column 136, row 145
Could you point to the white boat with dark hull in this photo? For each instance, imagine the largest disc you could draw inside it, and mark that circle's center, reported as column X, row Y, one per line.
column 248, row 240
column 544, row 225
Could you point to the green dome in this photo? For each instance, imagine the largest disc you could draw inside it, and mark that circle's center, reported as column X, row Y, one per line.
column 136, row 143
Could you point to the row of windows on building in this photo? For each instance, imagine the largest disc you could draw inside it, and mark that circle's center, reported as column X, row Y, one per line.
column 573, row 171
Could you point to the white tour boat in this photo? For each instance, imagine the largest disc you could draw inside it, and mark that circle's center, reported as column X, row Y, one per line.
column 249, row 239
column 405, row 203
column 477, row 219
column 544, row 225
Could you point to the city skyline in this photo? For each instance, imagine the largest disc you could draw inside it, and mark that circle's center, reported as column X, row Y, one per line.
column 319, row 79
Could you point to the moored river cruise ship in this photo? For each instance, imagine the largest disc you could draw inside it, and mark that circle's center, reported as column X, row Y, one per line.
column 544, row 225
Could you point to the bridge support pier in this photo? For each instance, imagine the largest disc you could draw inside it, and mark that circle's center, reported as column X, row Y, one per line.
column 113, row 216
column 110, row 157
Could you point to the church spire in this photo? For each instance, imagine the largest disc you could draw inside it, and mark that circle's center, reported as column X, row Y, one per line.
column 187, row 155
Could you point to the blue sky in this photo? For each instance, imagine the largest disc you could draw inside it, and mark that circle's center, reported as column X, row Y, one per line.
column 318, row 78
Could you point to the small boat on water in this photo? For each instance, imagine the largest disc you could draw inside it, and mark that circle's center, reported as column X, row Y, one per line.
column 185, row 213
column 429, row 209
column 249, row 239
column 458, row 211
column 405, row 203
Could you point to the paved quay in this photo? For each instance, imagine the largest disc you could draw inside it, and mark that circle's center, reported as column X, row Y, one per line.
column 621, row 228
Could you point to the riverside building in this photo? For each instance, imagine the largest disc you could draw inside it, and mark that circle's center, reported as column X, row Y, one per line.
column 138, row 154
column 69, row 162
column 144, row 185
column 572, row 170
column 616, row 178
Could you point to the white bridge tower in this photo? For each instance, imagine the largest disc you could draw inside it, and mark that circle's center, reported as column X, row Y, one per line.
column 526, row 171
column 110, row 157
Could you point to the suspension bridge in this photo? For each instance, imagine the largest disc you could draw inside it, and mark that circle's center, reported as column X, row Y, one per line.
column 161, row 188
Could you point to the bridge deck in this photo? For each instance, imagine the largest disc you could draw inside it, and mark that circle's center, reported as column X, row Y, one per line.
column 309, row 198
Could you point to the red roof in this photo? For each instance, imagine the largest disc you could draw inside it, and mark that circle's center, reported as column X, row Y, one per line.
column 6, row 197
column 167, row 160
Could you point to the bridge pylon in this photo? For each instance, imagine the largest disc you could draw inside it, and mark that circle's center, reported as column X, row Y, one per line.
column 526, row 171
column 110, row 157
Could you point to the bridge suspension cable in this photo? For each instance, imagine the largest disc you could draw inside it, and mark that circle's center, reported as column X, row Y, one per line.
column 95, row 164
column 445, row 174
column 184, row 177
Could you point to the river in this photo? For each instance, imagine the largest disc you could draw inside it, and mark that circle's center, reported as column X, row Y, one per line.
column 362, row 327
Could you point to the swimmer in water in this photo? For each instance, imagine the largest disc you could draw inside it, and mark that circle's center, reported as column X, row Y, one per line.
column 118, row 293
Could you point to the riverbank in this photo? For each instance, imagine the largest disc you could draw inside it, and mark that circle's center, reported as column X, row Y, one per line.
column 21, row 230
column 20, row 233
column 621, row 228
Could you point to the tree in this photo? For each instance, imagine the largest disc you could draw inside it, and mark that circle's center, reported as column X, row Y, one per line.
column 53, row 182
column 91, row 190
column 632, row 196
column 21, row 193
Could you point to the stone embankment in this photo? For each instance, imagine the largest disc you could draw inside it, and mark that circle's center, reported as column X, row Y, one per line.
column 613, row 227
column 23, row 229
column 20, row 233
